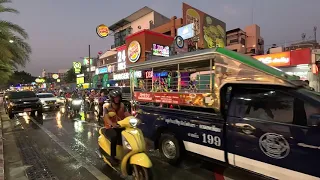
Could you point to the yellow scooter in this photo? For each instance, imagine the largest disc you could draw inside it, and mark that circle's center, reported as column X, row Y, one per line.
column 131, row 153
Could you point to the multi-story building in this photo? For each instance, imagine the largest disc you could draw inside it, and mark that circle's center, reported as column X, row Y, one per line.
column 247, row 41
column 144, row 18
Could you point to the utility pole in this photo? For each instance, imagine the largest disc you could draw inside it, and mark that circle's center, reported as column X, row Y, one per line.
column 89, row 76
column 315, row 33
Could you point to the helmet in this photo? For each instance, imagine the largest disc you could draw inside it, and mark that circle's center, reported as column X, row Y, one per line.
column 115, row 93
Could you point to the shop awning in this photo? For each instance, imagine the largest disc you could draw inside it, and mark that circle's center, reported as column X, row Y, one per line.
column 108, row 53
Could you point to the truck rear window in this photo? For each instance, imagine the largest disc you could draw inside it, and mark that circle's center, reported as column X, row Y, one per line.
column 22, row 94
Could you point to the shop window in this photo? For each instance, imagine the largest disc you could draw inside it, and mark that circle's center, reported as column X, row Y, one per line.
column 242, row 41
column 233, row 41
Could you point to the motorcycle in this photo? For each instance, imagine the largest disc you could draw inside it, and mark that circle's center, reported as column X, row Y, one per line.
column 133, row 161
column 73, row 106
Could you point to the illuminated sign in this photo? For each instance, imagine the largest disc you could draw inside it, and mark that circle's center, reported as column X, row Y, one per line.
column 55, row 76
column 102, row 31
column 186, row 31
column 77, row 67
column 302, row 75
column 150, row 74
column 134, row 51
column 275, row 60
column 124, row 76
column 121, row 59
column 86, row 61
column 40, row 80
column 158, row 50
column 103, row 70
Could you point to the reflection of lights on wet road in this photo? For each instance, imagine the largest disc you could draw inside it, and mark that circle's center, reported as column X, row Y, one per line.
column 58, row 118
column 89, row 135
column 78, row 126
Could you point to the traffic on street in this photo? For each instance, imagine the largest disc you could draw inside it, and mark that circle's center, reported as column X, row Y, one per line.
column 55, row 147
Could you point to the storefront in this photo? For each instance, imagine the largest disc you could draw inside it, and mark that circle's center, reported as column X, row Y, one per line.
column 296, row 62
column 107, row 65
column 147, row 45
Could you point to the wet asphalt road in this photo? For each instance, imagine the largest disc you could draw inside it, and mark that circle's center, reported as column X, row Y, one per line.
column 55, row 147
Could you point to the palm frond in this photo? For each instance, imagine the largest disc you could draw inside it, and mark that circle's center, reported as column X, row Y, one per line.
column 9, row 10
column 6, row 25
column 5, row 1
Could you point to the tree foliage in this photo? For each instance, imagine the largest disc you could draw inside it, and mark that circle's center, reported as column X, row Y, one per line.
column 14, row 50
column 21, row 77
column 71, row 76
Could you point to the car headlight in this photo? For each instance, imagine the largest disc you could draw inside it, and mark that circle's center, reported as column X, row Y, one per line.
column 76, row 102
column 42, row 101
column 126, row 144
column 133, row 122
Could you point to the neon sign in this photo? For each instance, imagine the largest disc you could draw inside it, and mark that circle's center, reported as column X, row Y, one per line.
column 158, row 50
column 150, row 74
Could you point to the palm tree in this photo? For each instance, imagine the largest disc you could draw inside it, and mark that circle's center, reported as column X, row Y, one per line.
column 14, row 51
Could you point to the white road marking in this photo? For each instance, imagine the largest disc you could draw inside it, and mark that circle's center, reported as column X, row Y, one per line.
column 93, row 170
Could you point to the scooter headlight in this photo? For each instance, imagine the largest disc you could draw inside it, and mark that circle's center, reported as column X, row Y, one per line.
column 76, row 102
column 133, row 122
column 126, row 144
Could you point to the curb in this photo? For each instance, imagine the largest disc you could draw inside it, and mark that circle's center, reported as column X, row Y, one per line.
column 1, row 147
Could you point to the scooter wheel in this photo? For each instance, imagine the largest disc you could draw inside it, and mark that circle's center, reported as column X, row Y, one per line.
column 142, row 173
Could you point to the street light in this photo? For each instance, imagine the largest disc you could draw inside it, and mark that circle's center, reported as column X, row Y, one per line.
column 11, row 41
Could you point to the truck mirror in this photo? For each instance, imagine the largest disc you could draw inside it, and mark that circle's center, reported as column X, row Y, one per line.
column 314, row 120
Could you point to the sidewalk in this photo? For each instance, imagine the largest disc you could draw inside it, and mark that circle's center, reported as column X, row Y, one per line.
column 3, row 115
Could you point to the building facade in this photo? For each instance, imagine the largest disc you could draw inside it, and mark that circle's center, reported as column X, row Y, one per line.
column 247, row 41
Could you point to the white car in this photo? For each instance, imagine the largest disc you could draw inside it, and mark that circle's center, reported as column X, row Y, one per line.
column 48, row 100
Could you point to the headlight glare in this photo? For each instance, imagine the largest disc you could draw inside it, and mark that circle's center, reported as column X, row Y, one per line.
column 133, row 122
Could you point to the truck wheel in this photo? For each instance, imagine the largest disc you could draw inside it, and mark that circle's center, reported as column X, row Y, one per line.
column 170, row 148
column 11, row 115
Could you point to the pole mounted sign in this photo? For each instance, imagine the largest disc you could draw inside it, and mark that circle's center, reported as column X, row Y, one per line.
column 102, row 31
column 77, row 67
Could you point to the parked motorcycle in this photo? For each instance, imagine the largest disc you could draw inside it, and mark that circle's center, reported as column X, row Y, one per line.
column 133, row 161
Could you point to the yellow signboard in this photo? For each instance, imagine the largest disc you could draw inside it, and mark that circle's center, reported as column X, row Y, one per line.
column 77, row 67
column 102, row 31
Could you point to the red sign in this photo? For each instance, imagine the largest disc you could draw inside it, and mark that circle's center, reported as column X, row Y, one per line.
column 288, row 58
column 149, row 74
column 275, row 60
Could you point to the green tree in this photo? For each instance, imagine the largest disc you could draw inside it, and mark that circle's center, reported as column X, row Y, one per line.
column 14, row 50
column 71, row 76
column 21, row 77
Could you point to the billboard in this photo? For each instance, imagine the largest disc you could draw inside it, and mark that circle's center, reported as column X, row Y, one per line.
column 210, row 31
column 275, row 60
column 186, row 31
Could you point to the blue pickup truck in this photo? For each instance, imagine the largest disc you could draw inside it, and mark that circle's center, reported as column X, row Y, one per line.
column 252, row 116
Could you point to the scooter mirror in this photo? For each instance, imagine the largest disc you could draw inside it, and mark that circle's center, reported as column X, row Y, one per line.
column 112, row 114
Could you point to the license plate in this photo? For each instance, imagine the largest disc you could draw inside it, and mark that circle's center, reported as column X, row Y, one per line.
column 50, row 103
column 27, row 109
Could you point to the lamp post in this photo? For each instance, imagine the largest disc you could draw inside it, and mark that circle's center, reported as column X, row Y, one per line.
column 89, row 67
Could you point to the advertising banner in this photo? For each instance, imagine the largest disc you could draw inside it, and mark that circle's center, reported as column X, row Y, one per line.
column 275, row 60
column 77, row 67
column 210, row 31
column 191, row 99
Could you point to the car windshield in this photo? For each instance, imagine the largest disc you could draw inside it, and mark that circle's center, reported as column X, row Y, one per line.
column 21, row 94
column 45, row 95
column 314, row 95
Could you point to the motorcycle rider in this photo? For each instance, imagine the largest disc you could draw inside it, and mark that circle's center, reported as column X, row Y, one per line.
column 121, row 111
